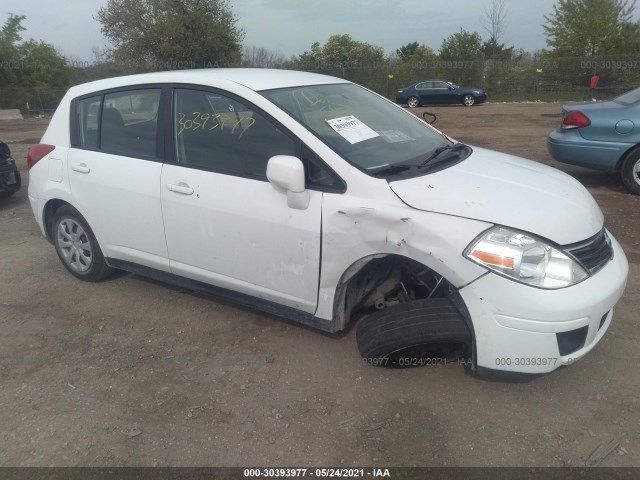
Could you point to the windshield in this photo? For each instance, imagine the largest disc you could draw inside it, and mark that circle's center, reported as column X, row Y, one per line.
column 630, row 97
column 366, row 130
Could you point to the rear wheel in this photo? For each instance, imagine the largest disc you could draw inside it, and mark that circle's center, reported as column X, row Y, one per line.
column 413, row 102
column 77, row 246
column 415, row 333
column 468, row 100
column 631, row 171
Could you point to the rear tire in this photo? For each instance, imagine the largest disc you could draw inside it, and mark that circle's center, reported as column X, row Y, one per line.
column 8, row 193
column 413, row 102
column 416, row 333
column 631, row 171
column 77, row 247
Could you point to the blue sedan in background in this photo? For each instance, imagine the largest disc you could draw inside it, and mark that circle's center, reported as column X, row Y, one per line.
column 439, row 92
column 602, row 136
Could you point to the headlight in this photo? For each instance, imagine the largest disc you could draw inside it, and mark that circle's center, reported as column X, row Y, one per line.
column 525, row 259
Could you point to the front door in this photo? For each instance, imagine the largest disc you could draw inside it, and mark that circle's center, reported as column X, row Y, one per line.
column 225, row 223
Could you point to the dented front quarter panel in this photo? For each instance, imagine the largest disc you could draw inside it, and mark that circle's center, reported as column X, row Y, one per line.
column 357, row 227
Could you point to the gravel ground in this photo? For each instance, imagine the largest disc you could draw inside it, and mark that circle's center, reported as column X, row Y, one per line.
column 131, row 372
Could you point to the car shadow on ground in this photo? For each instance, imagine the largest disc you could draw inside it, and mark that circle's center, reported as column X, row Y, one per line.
column 596, row 179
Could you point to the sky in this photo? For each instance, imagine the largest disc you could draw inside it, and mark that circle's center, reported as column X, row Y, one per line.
column 290, row 27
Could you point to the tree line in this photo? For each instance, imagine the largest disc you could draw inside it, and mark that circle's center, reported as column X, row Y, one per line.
column 151, row 35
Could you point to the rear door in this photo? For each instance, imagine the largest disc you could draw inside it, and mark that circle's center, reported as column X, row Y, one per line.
column 425, row 91
column 441, row 93
column 114, row 173
column 225, row 223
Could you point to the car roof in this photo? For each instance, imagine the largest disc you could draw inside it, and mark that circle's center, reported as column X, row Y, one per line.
column 254, row 78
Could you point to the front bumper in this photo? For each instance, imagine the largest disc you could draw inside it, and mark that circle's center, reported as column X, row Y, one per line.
column 572, row 148
column 523, row 329
column 481, row 98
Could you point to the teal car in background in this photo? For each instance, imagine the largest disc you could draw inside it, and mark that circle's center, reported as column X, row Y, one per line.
column 603, row 136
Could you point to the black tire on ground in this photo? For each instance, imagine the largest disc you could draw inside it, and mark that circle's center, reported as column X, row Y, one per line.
column 631, row 171
column 413, row 102
column 416, row 333
column 77, row 247
column 7, row 194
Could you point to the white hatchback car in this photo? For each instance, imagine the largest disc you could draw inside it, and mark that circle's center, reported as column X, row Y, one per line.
column 314, row 199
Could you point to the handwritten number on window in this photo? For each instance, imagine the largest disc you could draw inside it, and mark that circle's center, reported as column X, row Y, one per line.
column 199, row 121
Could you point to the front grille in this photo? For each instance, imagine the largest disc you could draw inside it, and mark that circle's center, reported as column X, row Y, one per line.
column 593, row 253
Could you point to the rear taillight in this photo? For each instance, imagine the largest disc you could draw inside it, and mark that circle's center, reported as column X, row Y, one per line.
column 575, row 119
column 37, row 153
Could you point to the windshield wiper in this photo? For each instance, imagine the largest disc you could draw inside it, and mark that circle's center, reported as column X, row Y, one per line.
column 391, row 170
column 440, row 150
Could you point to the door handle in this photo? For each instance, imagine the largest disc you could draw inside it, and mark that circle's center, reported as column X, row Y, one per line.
column 181, row 187
column 80, row 168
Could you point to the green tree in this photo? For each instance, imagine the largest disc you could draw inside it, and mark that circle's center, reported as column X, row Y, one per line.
column 415, row 52
column 497, row 51
column 43, row 65
column 406, row 51
column 10, row 33
column 9, row 55
column 461, row 46
column 342, row 49
column 165, row 34
column 591, row 28
column 411, row 62
column 33, row 71
column 310, row 59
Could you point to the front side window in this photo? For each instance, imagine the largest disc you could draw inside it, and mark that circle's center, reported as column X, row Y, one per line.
column 129, row 122
column 366, row 130
column 216, row 132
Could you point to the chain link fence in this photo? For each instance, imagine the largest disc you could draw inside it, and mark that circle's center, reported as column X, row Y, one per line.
column 31, row 101
column 529, row 78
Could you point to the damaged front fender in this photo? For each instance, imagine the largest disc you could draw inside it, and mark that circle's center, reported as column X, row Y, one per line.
column 359, row 231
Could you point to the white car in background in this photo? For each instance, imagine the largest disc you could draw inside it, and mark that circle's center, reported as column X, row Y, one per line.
column 314, row 199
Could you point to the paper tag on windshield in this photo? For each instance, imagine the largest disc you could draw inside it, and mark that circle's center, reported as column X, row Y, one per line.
column 352, row 129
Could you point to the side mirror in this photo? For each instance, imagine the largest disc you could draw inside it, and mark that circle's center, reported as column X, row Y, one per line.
column 287, row 173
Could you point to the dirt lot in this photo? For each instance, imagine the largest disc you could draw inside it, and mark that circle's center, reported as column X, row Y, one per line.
column 132, row 372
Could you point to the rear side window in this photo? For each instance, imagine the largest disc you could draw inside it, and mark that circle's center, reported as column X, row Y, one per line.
column 124, row 123
column 129, row 122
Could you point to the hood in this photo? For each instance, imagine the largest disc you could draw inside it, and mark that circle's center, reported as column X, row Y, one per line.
column 469, row 90
column 506, row 190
